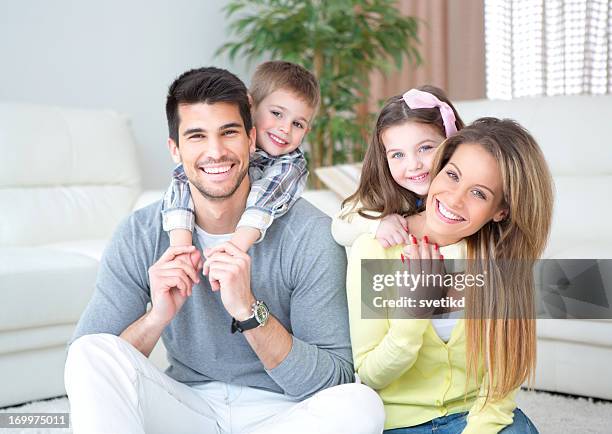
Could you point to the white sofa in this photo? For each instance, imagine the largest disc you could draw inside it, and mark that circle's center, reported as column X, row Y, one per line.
column 67, row 177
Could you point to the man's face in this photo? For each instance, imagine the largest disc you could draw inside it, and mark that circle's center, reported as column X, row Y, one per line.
column 214, row 147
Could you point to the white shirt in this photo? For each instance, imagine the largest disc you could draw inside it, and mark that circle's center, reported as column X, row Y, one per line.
column 445, row 323
column 208, row 241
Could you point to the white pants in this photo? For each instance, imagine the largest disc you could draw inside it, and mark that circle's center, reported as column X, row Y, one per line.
column 114, row 388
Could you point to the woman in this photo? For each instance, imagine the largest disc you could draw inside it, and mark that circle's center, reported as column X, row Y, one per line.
column 490, row 201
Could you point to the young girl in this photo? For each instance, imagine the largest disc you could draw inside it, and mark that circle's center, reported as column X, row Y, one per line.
column 409, row 129
column 490, row 201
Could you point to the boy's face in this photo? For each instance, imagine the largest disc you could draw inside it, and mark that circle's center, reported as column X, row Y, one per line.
column 282, row 119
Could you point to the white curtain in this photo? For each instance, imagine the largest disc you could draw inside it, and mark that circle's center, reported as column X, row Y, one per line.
column 548, row 47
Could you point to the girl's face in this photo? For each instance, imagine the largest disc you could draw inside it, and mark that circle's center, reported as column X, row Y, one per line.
column 466, row 194
column 410, row 149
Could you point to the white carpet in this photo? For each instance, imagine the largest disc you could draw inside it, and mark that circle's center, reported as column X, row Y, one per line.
column 555, row 414
column 552, row 414
column 59, row 405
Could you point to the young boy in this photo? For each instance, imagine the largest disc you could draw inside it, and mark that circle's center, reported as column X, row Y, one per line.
column 285, row 97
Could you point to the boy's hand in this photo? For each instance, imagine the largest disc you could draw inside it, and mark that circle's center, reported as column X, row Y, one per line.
column 392, row 230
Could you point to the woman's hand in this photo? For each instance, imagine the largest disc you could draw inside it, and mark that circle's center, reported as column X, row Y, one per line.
column 392, row 230
column 425, row 264
column 423, row 256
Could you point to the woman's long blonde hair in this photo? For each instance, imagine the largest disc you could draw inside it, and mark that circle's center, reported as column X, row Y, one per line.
column 500, row 316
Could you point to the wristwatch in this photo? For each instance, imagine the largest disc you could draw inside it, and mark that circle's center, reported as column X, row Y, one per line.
column 258, row 319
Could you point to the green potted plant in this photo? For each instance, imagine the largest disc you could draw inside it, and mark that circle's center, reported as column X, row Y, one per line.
column 342, row 42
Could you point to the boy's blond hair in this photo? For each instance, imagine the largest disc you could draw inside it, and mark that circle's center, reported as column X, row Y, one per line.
column 277, row 74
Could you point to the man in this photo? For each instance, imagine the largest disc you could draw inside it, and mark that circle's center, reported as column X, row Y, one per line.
column 261, row 352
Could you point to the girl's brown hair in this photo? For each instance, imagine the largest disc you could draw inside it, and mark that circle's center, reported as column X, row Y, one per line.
column 377, row 190
column 500, row 316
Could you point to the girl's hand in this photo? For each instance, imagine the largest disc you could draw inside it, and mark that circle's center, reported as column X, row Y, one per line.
column 392, row 230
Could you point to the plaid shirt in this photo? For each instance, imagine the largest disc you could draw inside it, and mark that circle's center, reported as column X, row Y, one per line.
column 276, row 184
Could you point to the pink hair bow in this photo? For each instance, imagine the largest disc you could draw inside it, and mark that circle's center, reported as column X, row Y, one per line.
column 416, row 99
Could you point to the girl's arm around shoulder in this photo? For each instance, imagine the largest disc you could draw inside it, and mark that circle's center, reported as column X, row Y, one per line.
column 347, row 226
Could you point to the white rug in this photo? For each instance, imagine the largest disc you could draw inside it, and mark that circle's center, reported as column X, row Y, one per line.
column 58, row 405
column 552, row 414
column 556, row 414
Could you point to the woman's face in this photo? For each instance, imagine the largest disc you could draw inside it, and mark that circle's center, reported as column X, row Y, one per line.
column 410, row 149
column 466, row 194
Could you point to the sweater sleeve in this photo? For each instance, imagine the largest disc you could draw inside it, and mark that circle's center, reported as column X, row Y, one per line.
column 348, row 226
column 491, row 417
column 383, row 349
column 122, row 288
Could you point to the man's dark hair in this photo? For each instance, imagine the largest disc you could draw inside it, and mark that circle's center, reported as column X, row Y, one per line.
column 207, row 85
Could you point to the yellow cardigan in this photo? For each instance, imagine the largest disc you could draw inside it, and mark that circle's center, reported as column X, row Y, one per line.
column 418, row 376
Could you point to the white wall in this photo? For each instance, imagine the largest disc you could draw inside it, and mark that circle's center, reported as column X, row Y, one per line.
column 117, row 54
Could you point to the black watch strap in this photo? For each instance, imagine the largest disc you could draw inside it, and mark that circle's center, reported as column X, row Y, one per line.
column 249, row 324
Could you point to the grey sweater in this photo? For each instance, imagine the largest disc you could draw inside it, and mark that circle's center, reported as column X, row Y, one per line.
column 297, row 270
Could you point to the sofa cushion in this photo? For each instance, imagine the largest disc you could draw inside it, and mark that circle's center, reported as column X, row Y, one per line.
column 34, row 216
column 32, row 375
column 12, row 341
column 573, row 131
column 574, row 368
column 342, row 179
column 583, row 196
column 41, row 286
column 576, row 248
column 592, row 332
column 324, row 200
column 90, row 248
column 65, row 174
column 46, row 145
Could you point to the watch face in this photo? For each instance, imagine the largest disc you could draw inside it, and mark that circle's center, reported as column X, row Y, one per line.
column 261, row 313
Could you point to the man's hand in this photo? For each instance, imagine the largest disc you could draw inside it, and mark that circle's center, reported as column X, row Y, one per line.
column 231, row 267
column 392, row 230
column 172, row 278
